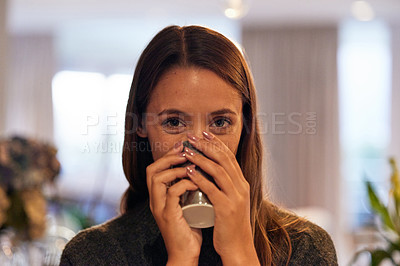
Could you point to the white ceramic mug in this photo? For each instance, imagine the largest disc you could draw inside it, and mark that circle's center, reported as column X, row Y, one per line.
column 197, row 208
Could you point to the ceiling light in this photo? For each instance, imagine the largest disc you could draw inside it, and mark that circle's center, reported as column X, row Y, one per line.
column 236, row 9
column 362, row 11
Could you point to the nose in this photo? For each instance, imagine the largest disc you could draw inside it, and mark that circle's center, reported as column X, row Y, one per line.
column 197, row 128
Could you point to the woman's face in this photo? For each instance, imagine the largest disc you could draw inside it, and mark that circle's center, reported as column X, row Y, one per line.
column 191, row 100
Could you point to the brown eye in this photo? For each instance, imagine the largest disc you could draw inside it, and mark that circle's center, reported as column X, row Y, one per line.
column 221, row 123
column 173, row 122
column 173, row 125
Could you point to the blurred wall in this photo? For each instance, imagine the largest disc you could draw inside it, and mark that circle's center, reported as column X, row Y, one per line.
column 31, row 70
column 295, row 72
column 395, row 143
column 3, row 54
column 296, row 78
column 28, row 99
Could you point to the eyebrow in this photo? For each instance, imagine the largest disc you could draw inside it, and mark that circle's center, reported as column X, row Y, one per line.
column 179, row 112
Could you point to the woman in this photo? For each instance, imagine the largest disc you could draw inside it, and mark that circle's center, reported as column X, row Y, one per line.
column 192, row 83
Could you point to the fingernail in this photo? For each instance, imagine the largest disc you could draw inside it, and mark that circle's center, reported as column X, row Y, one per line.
column 182, row 154
column 192, row 137
column 208, row 135
column 177, row 145
column 189, row 152
column 190, row 170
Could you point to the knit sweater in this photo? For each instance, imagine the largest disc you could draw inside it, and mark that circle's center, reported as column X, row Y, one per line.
column 133, row 238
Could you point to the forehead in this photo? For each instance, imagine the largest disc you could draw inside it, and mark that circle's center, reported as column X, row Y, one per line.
column 194, row 90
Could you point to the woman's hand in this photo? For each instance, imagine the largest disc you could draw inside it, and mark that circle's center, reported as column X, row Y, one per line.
column 183, row 243
column 233, row 239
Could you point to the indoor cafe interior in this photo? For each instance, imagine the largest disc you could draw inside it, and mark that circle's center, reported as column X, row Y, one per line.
column 327, row 79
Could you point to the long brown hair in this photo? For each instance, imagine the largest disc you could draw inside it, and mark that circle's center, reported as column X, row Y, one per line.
column 204, row 48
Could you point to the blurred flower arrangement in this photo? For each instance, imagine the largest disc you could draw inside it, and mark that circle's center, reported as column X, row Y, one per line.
column 26, row 165
column 390, row 220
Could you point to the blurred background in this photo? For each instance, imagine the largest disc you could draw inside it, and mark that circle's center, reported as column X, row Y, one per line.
column 327, row 75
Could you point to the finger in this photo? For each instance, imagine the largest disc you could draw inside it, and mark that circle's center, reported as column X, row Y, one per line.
column 165, row 178
column 217, row 151
column 219, row 174
column 163, row 164
column 174, row 193
column 223, row 150
column 159, row 186
column 206, row 186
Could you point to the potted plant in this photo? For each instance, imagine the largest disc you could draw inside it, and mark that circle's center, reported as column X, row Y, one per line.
column 26, row 165
column 389, row 215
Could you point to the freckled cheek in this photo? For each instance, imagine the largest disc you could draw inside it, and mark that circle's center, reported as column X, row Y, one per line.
column 232, row 142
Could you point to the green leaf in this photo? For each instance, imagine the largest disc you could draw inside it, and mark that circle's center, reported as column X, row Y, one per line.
column 378, row 207
column 395, row 183
column 377, row 256
column 394, row 246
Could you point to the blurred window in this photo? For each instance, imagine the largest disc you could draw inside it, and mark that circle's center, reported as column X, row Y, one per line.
column 364, row 64
column 89, row 115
